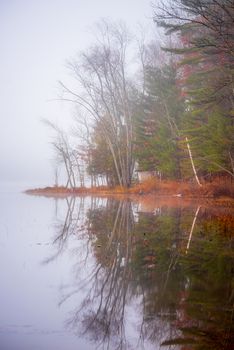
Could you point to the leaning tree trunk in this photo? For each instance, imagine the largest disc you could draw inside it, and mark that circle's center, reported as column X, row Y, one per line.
column 192, row 163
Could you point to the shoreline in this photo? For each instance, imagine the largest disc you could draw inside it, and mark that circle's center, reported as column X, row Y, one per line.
column 219, row 193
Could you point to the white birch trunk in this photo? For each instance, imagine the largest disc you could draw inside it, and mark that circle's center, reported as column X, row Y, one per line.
column 192, row 163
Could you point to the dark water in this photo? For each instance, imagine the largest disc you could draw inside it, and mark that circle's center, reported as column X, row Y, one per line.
column 88, row 273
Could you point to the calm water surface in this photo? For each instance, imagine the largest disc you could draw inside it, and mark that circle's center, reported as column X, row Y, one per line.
column 88, row 273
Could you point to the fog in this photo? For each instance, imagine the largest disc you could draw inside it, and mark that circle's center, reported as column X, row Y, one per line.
column 37, row 37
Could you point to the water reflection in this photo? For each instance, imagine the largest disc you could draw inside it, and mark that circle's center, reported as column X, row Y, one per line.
column 156, row 278
column 71, row 224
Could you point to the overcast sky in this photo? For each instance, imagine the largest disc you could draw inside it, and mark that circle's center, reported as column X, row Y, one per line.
column 36, row 38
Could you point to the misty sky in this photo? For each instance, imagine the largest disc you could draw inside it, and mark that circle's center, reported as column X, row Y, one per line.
column 36, row 38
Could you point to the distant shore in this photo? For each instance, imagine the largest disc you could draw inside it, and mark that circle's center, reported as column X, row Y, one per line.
column 219, row 191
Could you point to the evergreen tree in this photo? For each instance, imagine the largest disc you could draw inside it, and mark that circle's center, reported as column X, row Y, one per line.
column 157, row 129
column 205, row 30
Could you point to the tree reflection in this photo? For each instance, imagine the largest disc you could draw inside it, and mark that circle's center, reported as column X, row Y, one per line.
column 173, row 269
column 103, row 310
column 206, row 319
column 71, row 224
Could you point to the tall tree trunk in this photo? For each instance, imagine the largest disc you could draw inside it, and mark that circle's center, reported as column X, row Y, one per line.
column 192, row 163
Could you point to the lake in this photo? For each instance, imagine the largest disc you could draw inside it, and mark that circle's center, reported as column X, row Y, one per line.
column 89, row 272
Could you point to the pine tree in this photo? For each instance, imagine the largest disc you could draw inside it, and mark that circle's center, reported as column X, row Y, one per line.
column 157, row 129
column 205, row 30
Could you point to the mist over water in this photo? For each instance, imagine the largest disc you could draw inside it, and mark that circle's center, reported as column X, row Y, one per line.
column 83, row 272
column 136, row 271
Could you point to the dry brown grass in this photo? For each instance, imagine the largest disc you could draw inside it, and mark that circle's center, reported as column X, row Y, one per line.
column 155, row 186
column 216, row 189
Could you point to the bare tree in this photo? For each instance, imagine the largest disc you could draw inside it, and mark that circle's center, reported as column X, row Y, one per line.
column 106, row 93
column 68, row 156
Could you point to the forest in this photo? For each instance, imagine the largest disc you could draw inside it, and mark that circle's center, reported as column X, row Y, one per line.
column 148, row 105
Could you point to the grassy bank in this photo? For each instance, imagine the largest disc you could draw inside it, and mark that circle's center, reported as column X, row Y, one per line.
column 219, row 189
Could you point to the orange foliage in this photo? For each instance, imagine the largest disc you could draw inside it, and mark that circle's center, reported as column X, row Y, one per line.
column 217, row 189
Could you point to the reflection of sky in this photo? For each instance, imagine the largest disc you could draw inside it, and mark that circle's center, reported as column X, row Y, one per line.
column 37, row 37
column 30, row 291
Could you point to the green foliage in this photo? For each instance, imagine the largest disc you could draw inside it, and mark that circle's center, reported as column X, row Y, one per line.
column 206, row 75
column 211, row 139
column 157, row 124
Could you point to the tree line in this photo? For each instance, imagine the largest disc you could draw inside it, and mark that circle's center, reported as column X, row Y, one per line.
column 168, row 110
